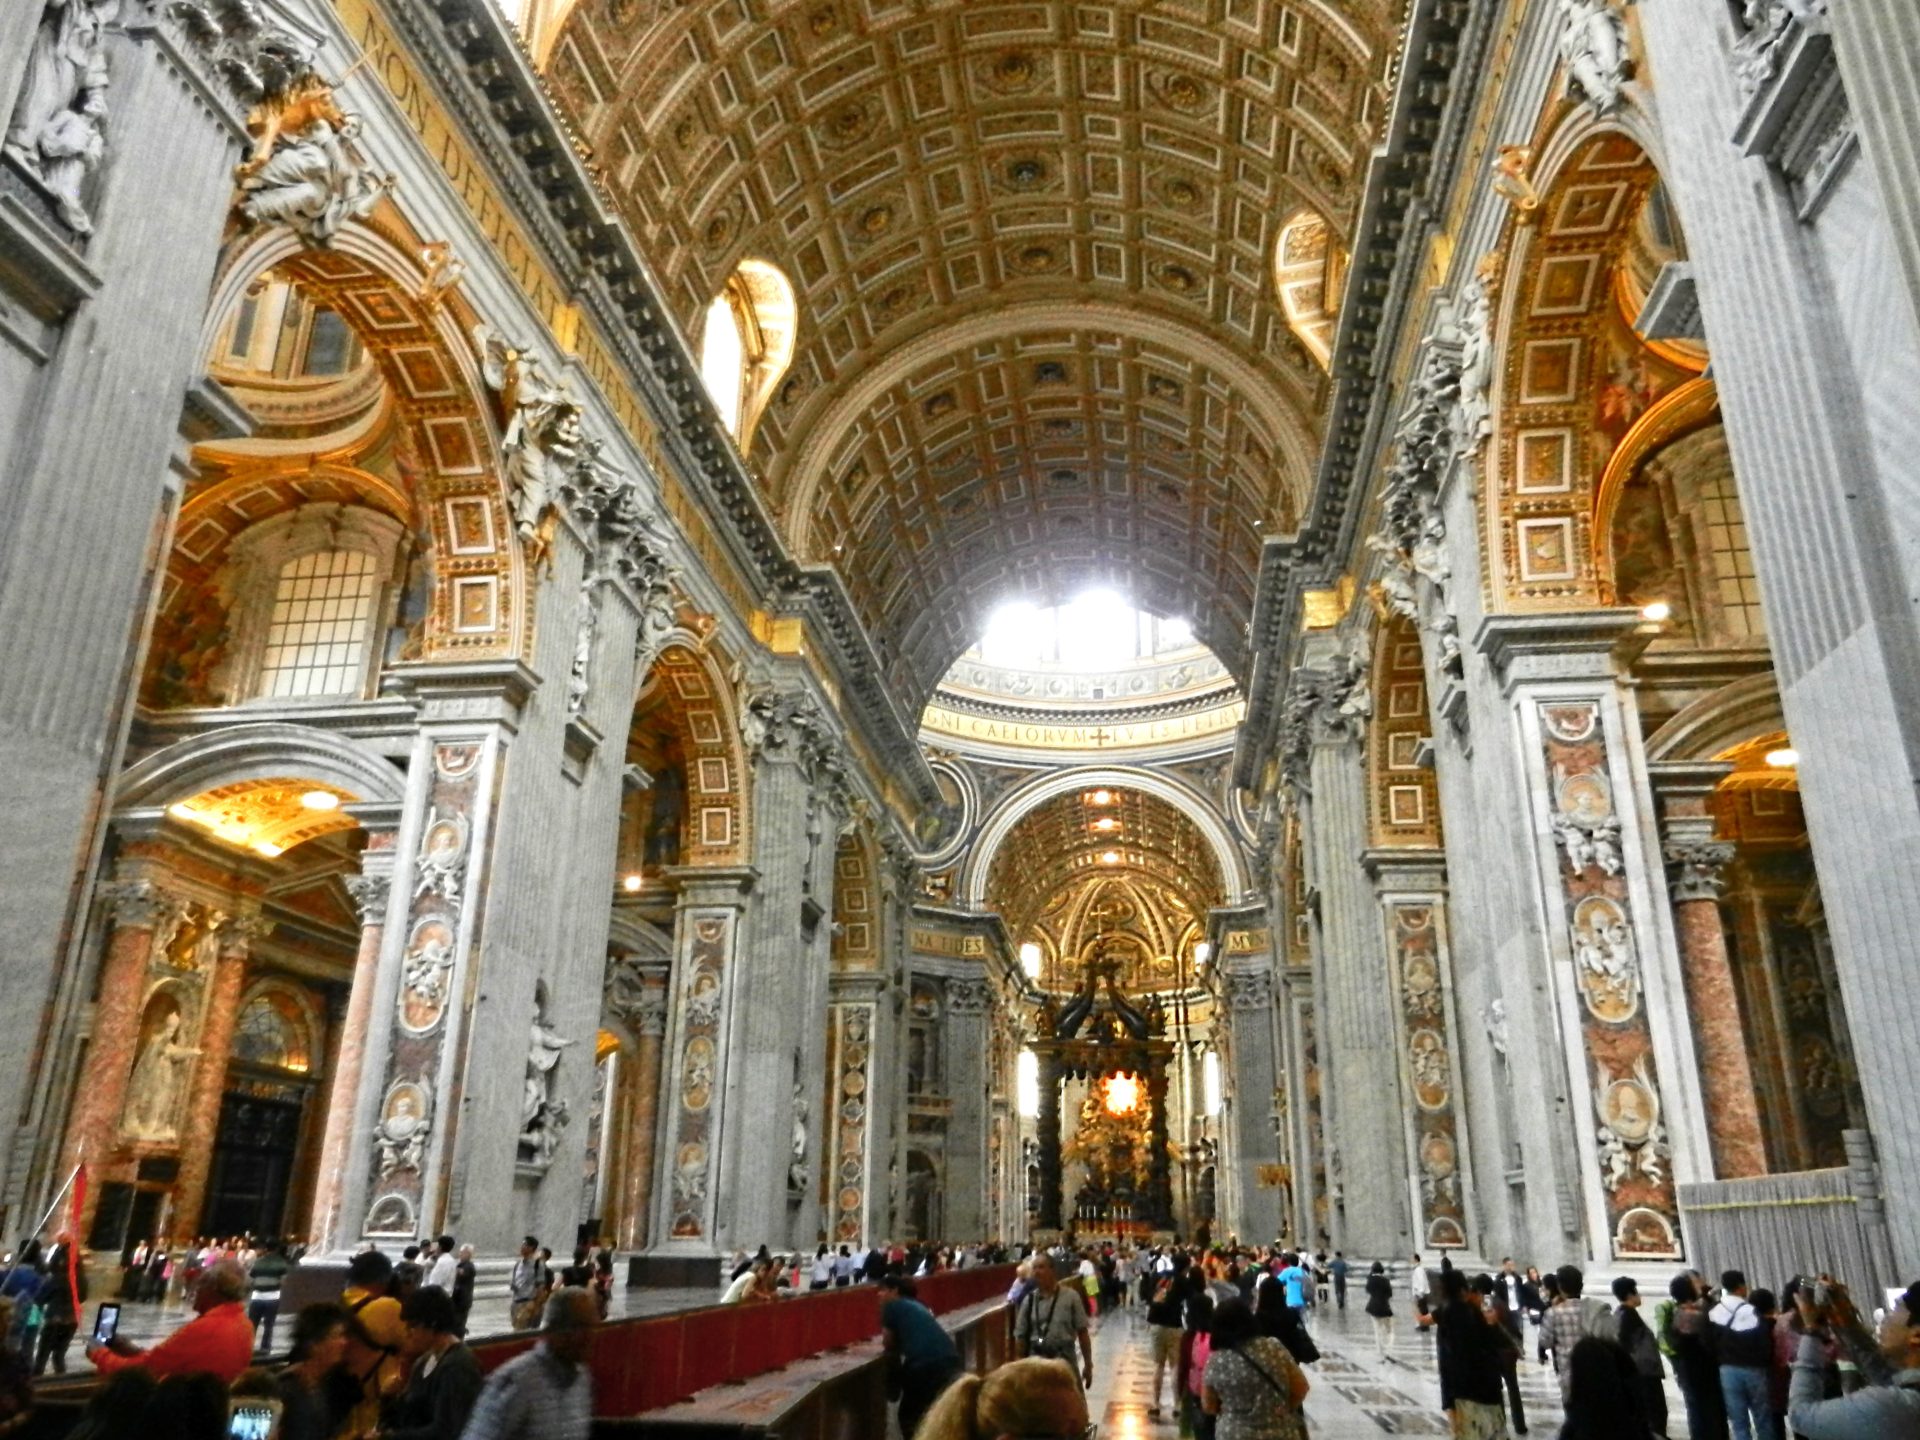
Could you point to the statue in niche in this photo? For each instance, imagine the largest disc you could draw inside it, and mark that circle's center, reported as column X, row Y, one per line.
column 797, row 1163
column 153, row 1092
column 57, row 132
column 543, row 1115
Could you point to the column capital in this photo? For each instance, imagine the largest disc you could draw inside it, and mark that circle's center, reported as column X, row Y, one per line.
column 711, row 884
column 636, row 993
column 369, row 892
column 238, row 932
column 1327, row 705
column 1698, row 868
column 969, row 997
column 1248, row 989
column 137, row 903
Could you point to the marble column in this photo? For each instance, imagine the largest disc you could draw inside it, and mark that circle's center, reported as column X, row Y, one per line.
column 328, row 1233
column 1351, row 986
column 1253, row 1079
column 1697, row 865
column 965, row 1050
column 139, row 908
column 642, row 1117
column 794, row 756
column 1816, row 387
column 85, row 499
column 699, row 1080
column 201, row 1124
column 1047, row 1136
column 1878, row 45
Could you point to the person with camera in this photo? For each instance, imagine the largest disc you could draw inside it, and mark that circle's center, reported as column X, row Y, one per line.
column 1889, row 1407
column 1052, row 1320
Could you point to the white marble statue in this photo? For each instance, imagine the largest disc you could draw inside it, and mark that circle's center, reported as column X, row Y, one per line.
column 542, row 439
column 401, row 1136
column 57, row 131
column 542, row 1114
column 797, row 1164
column 159, row 1076
column 1593, row 46
column 312, row 176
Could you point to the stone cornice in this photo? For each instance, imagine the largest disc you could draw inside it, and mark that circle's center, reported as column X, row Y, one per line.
column 488, row 79
column 1439, row 77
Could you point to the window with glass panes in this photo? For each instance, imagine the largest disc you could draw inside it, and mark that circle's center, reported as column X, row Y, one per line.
column 1731, row 561
column 317, row 634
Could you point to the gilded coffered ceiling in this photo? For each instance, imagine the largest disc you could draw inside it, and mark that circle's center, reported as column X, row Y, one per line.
column 1077, row 838
column 1033, row 245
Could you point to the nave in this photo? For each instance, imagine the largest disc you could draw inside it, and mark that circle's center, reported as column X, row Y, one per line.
column 1356, row 1395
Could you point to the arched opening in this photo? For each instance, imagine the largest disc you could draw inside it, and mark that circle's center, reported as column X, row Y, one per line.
column 1309, row 273
column 747, row 344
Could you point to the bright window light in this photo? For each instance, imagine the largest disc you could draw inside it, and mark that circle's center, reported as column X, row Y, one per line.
column 1210, row 1081
column 1030, row 959
column 1027, row 1084
column 1174, row 634
column 1017, row 636
column 723, row 361
column 1098, row 630
column 514, row 10
column 1202, row 952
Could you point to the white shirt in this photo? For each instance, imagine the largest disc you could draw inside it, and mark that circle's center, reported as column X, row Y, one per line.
column 735, row 1292
column 845, row 1265
column 443, row 1271
column 822, row 1270
column 1418, row 1282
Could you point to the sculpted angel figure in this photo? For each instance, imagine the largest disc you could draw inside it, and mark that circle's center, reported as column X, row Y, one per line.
column 543, row 437
column 57, row 131
column 313, row 177
column 1593, row 46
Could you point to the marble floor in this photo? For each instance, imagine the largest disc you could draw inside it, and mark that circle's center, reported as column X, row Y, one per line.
column 1355, row 1393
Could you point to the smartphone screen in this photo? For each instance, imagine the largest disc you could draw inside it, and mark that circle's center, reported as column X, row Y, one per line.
column 252, row 1419
column 106, row 1322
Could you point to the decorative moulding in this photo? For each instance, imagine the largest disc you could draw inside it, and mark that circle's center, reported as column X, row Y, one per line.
column 1798, row 118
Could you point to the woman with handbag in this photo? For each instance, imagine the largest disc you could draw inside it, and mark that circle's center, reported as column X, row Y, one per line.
column 1251, row 1383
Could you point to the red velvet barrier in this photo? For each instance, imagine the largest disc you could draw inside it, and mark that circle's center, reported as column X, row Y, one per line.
column 642, row 1365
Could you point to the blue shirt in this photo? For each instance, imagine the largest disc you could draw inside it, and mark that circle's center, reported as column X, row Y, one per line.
column 923, row 1342
column 1294, row 1278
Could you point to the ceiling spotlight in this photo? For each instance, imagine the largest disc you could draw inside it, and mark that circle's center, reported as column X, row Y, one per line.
column 1106, row 822
column 1111, row 857
column 1103, row 797
column 631, row 883
column 267, row 848
column 320, row 800
column 1784, row 758
column 1657, row 611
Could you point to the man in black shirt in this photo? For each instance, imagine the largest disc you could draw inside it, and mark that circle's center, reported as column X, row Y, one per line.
column 1163, row 1316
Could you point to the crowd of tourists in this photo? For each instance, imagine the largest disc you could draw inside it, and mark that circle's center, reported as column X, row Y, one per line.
column 766, row 1275
column 386, row 1358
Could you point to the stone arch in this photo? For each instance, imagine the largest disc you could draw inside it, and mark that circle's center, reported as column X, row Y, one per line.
column 689, row 695
column 1309, row 268
column 759, row 301
column 478, row 600
column 238, row 754
column 1573, row 378
column 1719, row 721
column 1022, row 801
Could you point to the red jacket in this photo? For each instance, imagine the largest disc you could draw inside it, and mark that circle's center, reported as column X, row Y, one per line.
column 219, row 1343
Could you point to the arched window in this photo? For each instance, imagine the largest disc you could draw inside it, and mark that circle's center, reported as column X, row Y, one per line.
column 276, row 330
column 1309, row 268
column 311, row 592
column 271, row 1030
column 747, row 345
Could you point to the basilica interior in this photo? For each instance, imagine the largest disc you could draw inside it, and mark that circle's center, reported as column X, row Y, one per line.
column 706, row 623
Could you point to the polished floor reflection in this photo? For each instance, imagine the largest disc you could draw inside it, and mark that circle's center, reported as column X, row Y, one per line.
column 1355, row 1392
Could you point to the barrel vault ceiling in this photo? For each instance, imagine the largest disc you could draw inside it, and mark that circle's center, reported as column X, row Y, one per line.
column 1033, row 246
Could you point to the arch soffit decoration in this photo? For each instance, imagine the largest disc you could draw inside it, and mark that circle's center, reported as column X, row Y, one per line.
column 1555, row 298
column 688, row 692
column 856, row 901
column 371, row 275
column 1228, row 859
